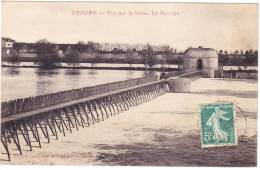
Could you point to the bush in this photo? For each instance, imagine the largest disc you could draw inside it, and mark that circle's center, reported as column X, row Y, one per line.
column 47, row 55
column 13, row 57
column 72, row 57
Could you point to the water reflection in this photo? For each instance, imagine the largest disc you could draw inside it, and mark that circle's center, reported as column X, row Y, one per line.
column 12, row 71
column 92, row 72
column 130, row 74
column 25, row 82
column 150, row 73
column 58, row 64
column 43, row 87
column 47, row 72
column 72, row 72
column 93, row 64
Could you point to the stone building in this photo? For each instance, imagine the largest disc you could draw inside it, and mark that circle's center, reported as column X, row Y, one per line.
column 203, row 59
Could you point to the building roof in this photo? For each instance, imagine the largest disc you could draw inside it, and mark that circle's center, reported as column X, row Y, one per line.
column 201, row 53
column 8, row 39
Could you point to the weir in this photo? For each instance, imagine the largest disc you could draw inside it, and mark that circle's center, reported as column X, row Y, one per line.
column 27, row 123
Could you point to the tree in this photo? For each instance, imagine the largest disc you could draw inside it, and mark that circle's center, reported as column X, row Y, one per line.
column 224, row 60
column 251, row 57
column 226, row 52
column 13, row 58
column 150, row 58
column 236, row 52
column 72, row 57
column 255, row 57
column 81, row 47
column 166, row 54
column 97, row 58
column 92, row 46
column 247, row 57
column 129, row 57
column 179, row 61
column 237, row 61
column 46, row 54
column 68, row 50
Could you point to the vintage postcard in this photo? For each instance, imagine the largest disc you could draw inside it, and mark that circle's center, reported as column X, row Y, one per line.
column 129, row 83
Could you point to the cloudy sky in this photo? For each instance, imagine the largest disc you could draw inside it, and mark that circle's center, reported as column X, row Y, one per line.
column 219, row 26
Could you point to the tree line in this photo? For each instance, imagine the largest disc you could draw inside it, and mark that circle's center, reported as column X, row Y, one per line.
column 47, row 55
column 239, row 57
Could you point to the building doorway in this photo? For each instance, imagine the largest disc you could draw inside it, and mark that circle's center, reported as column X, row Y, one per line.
column 199, row 64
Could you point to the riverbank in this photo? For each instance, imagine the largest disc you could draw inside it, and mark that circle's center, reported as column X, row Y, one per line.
column 123, row 66
column 99, row 68
column 162, row 132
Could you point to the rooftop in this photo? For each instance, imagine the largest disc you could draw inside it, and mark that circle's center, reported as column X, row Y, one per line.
column 201, row 52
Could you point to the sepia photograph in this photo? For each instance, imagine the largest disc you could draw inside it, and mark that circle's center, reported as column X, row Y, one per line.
column 172, row 84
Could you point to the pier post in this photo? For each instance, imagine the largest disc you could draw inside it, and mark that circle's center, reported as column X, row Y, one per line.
column 179, row 85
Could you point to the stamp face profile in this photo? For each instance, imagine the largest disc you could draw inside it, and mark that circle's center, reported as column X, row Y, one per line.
column 218, row 125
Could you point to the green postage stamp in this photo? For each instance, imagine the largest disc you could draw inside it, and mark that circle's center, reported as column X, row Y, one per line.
column 218, row 125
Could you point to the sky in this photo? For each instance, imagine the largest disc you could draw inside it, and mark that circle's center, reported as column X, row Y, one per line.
column 218, row 26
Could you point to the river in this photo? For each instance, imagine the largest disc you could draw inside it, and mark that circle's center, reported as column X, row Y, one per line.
column 25, row 82
column 20, row 82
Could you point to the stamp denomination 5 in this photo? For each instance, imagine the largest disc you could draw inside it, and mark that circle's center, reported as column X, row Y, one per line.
column 218, row 125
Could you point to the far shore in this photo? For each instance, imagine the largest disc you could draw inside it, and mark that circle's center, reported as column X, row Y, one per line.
column 98, row 68
column 134, row 68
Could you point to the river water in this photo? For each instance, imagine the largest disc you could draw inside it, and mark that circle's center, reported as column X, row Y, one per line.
column 25, row 82
column 20, row 82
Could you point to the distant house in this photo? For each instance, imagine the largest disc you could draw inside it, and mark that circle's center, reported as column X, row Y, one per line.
column 59, row 50
column 64, row 48
column 7, row 45
column 22, row 47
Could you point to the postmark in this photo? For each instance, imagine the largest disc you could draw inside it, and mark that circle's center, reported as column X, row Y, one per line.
column 218, row 125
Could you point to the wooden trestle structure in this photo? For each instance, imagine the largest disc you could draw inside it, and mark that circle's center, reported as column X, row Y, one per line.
column 27, row 123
